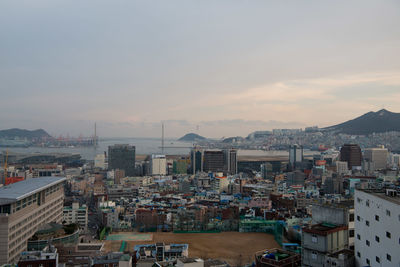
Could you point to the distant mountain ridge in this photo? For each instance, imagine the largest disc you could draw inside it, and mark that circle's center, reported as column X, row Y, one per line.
column 190, row 137
column 369, row 123
column 22, row 134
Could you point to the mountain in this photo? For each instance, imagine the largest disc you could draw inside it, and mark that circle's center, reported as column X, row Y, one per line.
column 371, row 122
column 22, row 134
column 190, row 137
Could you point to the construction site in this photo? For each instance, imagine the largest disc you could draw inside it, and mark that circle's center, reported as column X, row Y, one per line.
column 233, row 247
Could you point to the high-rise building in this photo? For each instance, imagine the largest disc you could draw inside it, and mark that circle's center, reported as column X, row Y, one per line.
column 377, row 227
column 158, row 165
column 196, row 160
column 295, row 155
column 24, row 207
column 378, row 156
column 214, row 160
column 230, row 161
column 351, row 153
column 122, row 157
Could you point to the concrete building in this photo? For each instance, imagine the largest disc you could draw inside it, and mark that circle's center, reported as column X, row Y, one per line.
column 377, row 227
column 295, row 155
column 158, row 165
column 342, row 258
column 76, row 214
column 189, row 262
column 277, row 258
column 378, row 156
column 119, row 259
column 295, row 178
column 100, row 161
column 230, row 161
column 220, row 184
column 320, row 240
column 161, row 251
column 118, row 175
column 351, row 153
column 336, row 213
column 196, row 160
column 43, row 258
column 122, row 157
column 24, row 207
column 214, row 160
column 342, row 167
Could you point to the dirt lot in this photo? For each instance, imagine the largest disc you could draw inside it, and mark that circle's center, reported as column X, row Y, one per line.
column 233, row 247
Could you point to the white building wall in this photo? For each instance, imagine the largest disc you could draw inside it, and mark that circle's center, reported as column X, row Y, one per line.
column 364, row 215
column 158, row 165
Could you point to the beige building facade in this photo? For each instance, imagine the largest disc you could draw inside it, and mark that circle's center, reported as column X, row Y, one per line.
column 24, row 207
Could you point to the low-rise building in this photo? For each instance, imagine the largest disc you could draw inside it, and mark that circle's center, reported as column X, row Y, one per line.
column 321, row 239
column 277, row 258
column 76, row 214
column 43, row 258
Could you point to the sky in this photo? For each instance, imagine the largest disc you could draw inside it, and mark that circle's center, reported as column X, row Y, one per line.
column 217, row 68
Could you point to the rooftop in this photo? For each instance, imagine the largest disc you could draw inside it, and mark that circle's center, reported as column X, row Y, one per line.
column 324, row 228
column 382, row 193
column 347, row 252
column 189, row 260
column 22, row 189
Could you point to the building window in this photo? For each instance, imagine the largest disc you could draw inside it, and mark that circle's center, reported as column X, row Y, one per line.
column 358, row 237
column 314, row 255
column 358, row 218
column 351, row 233
column 378, row 260
column 314, row 239
column 377, row 218
column 377, row 238
column 367, row 203
column 351, row 217
column 388, row 235
column 367, row 223
column 368, row 262
column 359, row 200
column 388, row 212
column 367, row 242
column 388, row 257
column 358, row 254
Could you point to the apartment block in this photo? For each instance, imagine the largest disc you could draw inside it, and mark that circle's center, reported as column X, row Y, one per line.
column 24, row 207
column 76, row 214
column 320, row 240
column 377, row 226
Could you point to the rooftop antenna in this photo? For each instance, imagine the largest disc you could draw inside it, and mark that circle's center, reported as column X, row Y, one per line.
column 162, row 138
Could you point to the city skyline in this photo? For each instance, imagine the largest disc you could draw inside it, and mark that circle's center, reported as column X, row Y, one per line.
column 216, row 69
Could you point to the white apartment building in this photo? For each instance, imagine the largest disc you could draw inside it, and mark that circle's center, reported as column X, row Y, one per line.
column 377, row 227
column 342, row 167
column 24, row 207
column 158, row 165
column 76, row 214
column 100, row 161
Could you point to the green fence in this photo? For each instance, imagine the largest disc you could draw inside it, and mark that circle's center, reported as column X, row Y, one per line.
column 262, row 226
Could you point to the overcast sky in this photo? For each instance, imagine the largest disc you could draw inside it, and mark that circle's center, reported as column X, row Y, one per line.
column 218, row 68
